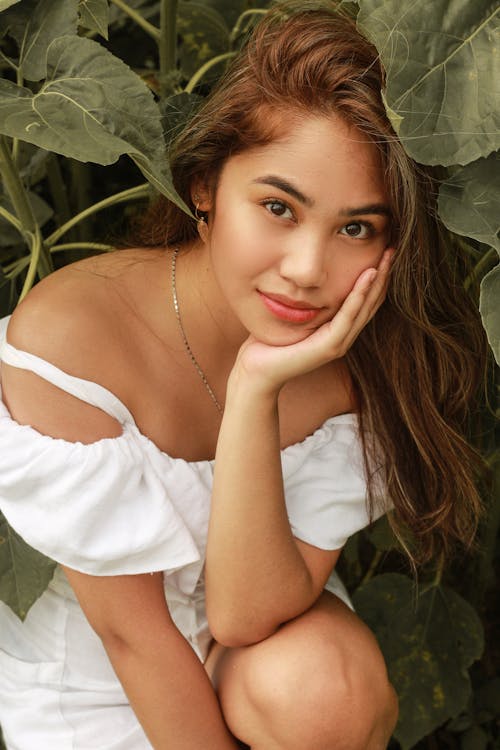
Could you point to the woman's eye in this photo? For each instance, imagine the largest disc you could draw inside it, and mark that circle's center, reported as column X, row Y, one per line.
column 358, row 230
column 278, row 208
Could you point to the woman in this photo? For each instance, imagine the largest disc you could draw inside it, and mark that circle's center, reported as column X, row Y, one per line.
column 304, row 333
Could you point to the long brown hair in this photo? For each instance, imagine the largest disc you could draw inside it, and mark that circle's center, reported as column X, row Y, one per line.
column 417, row 365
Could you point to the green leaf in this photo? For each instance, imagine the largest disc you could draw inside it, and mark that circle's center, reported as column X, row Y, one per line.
column 381, row 535
column 428, row 642
column 34, row 25
column 92, row 107
column 474, row 738
column 94, row 15
column 469, row 200
column 442, row 74
column 4, row 4
column 9, row 236
column 24, row 572
column 204, row 35
column 176, row 111
column 229, row 10
column 489, row 307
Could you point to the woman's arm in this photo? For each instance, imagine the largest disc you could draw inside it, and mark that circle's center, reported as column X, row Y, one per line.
column 165, row 682
column 256, row 572
column 258, row 576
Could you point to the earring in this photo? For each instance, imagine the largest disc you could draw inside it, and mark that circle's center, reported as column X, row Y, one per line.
column 201, row 222
column 200, row 218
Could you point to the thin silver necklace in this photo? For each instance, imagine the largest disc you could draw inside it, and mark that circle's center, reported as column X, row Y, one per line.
column 184, row 337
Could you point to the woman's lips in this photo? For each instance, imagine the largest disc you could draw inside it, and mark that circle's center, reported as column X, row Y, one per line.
column 289, row 310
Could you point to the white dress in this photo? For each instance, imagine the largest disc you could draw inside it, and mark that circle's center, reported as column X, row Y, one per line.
column 122, row 506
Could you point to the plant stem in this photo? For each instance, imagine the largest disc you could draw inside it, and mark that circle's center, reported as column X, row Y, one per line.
column 19, row 199
column 167, row 45
column 15, row 189
column 373, row 566
column 135, row 193
column 196, row 78
column 11, row 219
column 237, row 26
column 14, row 269
column 480, row 266
column 15, row 141
column 36, row 251
column 139, row 19
column 81, row 246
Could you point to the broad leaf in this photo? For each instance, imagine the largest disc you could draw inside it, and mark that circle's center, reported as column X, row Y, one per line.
column 203, row 32
column 4, row 4
column 442, row 74
column 428, row 642
column 94, row 15
column 489, row 307
column 24, row 572
column 41, row 210
column 381, row 535
column 176, row 111
column 91, row 107
column 34, row 25
column 469, row 201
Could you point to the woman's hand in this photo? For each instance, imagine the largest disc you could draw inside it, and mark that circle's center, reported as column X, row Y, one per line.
column 270, row 367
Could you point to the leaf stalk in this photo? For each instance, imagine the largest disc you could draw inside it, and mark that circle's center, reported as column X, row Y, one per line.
column 81, row 246
column 196, row 78
column 24, row 212
column 153, row 31
column 167, row 45
column 135, row 193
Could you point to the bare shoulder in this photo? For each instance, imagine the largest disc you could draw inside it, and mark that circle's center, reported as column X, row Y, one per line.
column 72, row 317
column 75, row 320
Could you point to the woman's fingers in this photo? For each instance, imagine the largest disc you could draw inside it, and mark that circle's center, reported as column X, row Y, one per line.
column 277, row 364
column 361, row 304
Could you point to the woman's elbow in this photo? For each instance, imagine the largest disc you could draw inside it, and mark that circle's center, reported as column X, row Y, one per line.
column 236, row 632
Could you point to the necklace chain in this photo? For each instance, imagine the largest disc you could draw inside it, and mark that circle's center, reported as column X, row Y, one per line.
column 184, row 337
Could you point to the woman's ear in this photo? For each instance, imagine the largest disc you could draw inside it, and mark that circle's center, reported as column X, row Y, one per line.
column 201, row 196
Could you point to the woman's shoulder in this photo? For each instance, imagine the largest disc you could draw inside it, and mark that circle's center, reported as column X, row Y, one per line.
column 72, row 317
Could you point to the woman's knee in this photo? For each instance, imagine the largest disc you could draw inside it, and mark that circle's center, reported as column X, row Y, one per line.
column 319, row 682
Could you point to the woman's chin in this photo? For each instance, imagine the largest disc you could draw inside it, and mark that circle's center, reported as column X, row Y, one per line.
column 283, row 338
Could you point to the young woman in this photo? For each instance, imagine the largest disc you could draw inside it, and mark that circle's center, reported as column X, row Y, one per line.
column 193, row 430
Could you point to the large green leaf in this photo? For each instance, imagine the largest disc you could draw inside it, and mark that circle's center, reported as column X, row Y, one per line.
column 34, row 25
column 204, row 34
column 489, row 307
column 91, row 107
column 442, row 74
column 24, row 572
column 469, row 201
column 94, row 15
column 176, row 111
column 4, row 4
column 428, row 642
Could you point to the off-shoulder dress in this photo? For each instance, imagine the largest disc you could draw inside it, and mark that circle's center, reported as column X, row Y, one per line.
column 122, row 506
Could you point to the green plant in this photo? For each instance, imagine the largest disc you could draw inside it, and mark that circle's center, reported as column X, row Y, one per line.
column 88, row 82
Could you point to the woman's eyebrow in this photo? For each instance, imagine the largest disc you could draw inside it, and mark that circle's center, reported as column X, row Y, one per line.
column 372, row 208
column 282, row 184
column 287, row 187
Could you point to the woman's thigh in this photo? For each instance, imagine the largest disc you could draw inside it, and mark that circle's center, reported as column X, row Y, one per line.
column 319, row 682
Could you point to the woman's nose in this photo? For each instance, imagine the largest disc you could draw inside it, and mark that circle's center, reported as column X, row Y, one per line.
column 304, row 262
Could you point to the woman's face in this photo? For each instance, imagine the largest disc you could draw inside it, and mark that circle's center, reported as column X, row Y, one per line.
column 293, row 225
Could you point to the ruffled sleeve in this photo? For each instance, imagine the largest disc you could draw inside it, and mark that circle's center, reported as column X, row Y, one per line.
column 100, row 508
column 325, row 485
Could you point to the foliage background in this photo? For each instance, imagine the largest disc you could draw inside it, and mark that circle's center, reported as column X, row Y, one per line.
column 92, row 92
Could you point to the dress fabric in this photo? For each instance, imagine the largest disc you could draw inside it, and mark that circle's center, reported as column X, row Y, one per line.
column 122, row 506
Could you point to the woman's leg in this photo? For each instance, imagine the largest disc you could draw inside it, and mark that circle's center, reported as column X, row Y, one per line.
column 318, row 683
